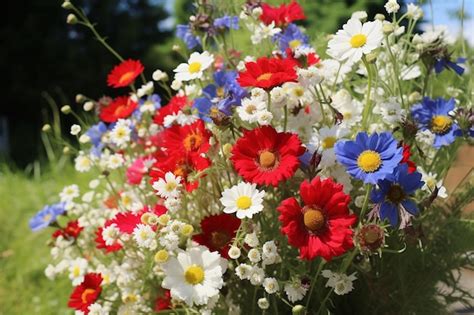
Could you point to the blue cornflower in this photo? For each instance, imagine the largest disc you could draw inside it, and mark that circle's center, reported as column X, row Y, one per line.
column 155, row 99
column 369, row 158
column 46, row 216
column 220, row 96
column 292, row 38
column 446, row 63
column 394, row 195
column 95, row 134
column 183, row 31
column 434, row 116
column 227, row 22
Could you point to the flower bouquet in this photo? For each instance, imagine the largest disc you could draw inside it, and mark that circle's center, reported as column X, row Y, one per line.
column 268, row 176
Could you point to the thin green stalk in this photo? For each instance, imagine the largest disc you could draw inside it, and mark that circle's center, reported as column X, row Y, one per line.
column 313, row 282
column 366, row 112
column 395, row 70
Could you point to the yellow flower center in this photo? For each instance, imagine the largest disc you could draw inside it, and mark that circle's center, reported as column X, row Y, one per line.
column 250, row 109
column 295, row 43
column 220, row 91
column 267, row 159
column 126, row 77
column 76, row 271
column 299, row 91
column 194, row 67
column 170, row 186
column 440, row 124
column 328, row 142
column 358, row 40
column 244, row 202
column 194, row 274
column 431, row 183
column 192, row 142
column 264, row 76
column 369, row 161
column 313, row 219
column 161, row 256
column 47, row 218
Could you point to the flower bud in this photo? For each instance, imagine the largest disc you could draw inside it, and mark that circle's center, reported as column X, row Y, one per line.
column 371, row 57
column 71, row 19
column 163, row 219
column 46, row 128
column 371, row 237
column 161, row 256
column 80, row 98
column 176, row 48
column 66, row 109
column 187, row 230
column 227, row 149
column 159, row 75
column 380, row 17
column 263, row 303
column 84, row 139
column 297, row 309
column 388, row 28
column 88, row 106
column 414, row 97
column 67, row 5
column 66, row 150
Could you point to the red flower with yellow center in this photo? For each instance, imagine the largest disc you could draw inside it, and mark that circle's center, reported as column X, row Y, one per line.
column 282, row 15
column 267, row 73
column 188, row 140
column 125, row 73
column 322, row 225
column 266, row 157
column 175, row 104
column 86, row 293
column 120, row 107
column 218, row 231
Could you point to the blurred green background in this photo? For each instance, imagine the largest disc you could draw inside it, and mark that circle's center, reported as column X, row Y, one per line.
column 47, row 62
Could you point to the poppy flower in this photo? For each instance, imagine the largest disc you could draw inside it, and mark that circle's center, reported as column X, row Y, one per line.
column 281, row 15
column 175, row 104
column 406, row 158
column 71, row 230
column 190, row 140
column 267, row 73
column 125, row 73
column 217, row 232
column 86, row 293
column 266, row 157
column 321, row 226
column 120, row 107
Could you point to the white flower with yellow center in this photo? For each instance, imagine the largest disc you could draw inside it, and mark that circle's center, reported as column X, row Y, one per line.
column 324, row 140
column 251, row 109
column 431, row 183
column 144, row 236
column 169, row 186
column 355, row 39
column 83, row 163
column 77, row 270
column 69, row 193
column 243, row 199
column 194, row 276
column 120, row 135
column 195, row 66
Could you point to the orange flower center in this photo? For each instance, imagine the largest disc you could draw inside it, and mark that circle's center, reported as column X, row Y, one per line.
column 120, row 110
column 264, row 76
column 180, row 171
column 313, row 219
column 267, row 159
column 192, row 142
column 219, row 239
column 85, row 295
column 127, row 76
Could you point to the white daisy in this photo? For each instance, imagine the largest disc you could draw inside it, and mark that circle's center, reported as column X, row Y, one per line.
column 341, row 283
column 77, row 270
column 350, row 109
column 271, row 285
column 391, row 111
column 295, row 291
column 194, row 276
column 251, row 109
column 244, row 199
column 69, row 193
column 115, row 161
column 120, row 135
column 324, row 140
column 83, row 163
column 144, row 236
column 355, row 39
column 169, row 186
column 195, row 66
column 431, row 183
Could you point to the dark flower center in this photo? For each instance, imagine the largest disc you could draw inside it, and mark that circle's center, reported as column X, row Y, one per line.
column 219, row 239
column 396, row 194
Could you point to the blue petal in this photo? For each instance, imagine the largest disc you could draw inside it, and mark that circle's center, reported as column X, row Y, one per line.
column 410, row 206
column 389, row 211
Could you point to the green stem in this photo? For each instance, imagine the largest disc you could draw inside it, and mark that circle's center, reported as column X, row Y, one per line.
column 285, row 119
column 365, row 114
column 313, row 282
column 395, row 70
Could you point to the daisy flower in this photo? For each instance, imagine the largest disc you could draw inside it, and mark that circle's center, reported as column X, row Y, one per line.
column 432, row 183
column 251, row 109
column 125, row 73
column 83, row 163
column 243, row 199
column 295, row 291
column 195, row 66
column 194, row 276
column 120, row 134
column 433, row 115
column 120, row 107
column 341, row 283
column 265, row 156
column 325, row 140
column 69, row 193
column 355, row 39
column 144, row 236
column 369, row 158
column 394, row 196
column 169, row 186
column 322, row 226
column 77, row 270
column 217, row 232
column 86, row 293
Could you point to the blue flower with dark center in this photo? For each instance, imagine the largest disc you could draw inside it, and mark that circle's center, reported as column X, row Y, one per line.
column 433, row 115
column 446, row 63
column 291, row 38
column 227, row 22
column 183, row 31
column 394, row 195
column 369, row 158
column 220, row 97
column 46, row 216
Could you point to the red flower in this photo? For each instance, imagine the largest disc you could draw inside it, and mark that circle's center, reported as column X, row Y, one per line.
column 303, row 61
column 120, row 107
column 163, row 302
column 71, row 230
column 125, row 73
column 136, row 171
column 190, row 140
column 406, row 158
column 175, row 104
column 265, row 156
column 282, row 15
column 218, row 232
column 268, row 72
column 86, row 293
column 322, row 227
column 100, row 242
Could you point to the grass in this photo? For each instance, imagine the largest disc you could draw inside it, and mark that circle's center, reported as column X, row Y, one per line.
column 24, row 289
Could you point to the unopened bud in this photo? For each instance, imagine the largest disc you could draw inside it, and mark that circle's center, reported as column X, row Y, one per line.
column 66, row 109
column 84, row 139
column 66, row 150
column 380, row 17
column 80, row 98
column 227, row 148
column 414, row 97
column 88, row 106
column 46, row 128
column 297, row 309
column 159, row 75
column 388, row 28
column 71, row 19
column 371, row 57
column 176, row 47
column 67, row 5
